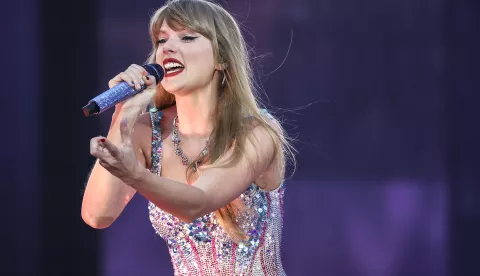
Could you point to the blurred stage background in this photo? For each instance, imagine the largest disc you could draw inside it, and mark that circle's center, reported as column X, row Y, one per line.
column 386, row 182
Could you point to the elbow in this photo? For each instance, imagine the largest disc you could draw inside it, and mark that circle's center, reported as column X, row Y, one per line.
column 188, row 218
column 196, row 207
column 96, row 222
column 193, row 213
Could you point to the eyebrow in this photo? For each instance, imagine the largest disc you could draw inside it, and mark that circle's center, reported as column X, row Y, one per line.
column 182, row 31
column 162, row 32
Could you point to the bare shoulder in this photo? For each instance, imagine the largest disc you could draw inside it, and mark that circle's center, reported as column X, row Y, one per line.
column 168, row 114
column 142, row 125
column 265, row 130
column 267, row 138
column 272, row 122
column 144, row 120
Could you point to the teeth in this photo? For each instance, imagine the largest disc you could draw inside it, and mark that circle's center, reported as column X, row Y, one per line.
column 174, row 70
column 171, row 65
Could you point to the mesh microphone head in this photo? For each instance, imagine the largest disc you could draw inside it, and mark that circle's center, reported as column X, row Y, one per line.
column 155, row 70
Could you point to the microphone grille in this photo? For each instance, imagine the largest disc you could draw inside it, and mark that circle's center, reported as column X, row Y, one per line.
column 155, row 70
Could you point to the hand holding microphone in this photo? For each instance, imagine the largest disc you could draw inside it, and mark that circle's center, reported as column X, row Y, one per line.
column 125, row 85
column 115, row 152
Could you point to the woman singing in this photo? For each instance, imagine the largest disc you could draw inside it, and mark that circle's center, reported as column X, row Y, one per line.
column 209, row 161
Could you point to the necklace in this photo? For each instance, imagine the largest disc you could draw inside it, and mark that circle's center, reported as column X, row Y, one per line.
column 179, row 151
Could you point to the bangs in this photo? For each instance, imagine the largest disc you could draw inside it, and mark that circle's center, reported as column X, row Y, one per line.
column 180, row 15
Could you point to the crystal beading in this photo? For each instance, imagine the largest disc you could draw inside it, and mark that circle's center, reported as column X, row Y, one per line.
column 179, row 151
column 204, row 248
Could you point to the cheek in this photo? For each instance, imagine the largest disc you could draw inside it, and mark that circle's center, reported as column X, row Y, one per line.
column 203, row 58
column 158, row 56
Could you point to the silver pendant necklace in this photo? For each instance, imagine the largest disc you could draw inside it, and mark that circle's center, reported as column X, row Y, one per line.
column 178, row 150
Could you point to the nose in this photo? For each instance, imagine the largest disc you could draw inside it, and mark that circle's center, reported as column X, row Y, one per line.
column 169, row 47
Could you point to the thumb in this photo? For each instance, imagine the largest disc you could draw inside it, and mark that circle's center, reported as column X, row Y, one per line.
column 125, row 132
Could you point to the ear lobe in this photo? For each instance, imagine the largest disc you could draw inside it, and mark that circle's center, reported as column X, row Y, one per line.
column 221, row 66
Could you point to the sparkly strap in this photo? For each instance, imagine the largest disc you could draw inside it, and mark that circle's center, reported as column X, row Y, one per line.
column 156, row 117
column 264, row 112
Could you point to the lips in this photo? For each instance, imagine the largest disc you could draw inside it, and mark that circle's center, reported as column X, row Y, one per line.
column 172, row 67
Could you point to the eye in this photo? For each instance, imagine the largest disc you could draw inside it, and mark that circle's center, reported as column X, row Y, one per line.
column 188, row 38
column 161, row 41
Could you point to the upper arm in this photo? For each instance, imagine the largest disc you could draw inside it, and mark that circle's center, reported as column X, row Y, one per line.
column 223, row 184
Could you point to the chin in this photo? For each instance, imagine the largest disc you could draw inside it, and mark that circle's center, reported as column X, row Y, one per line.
column 173, row 88
column 176, row 91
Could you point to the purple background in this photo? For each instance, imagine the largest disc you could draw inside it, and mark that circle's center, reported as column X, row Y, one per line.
column 387, row 180
column 331, row 228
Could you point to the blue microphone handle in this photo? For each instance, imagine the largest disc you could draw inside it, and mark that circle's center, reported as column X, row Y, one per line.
column 119, row 93
column 115, row 95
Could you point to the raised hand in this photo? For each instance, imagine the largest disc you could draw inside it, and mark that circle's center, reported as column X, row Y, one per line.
column 119, row 160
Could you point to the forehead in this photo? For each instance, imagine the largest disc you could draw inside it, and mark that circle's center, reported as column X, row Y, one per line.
column 165, row 28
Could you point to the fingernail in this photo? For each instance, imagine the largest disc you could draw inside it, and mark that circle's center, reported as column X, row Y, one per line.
column 124, row 122
column 102, row 140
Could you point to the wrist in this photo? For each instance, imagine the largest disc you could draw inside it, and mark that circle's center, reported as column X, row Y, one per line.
column 129, row 113
column 137, row 177
column 120, row 115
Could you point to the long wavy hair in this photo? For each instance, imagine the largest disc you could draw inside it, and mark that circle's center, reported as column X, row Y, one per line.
column 237, row 99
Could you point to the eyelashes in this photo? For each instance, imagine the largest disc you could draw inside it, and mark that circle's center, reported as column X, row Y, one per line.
column 189, row 38
column 186, row 38
column 161, row 41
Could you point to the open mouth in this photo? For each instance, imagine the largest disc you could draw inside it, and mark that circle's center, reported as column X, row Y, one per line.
column 172, row 67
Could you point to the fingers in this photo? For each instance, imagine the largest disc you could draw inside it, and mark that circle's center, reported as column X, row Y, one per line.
column 149, row 80
column 116, row 80
column 134, row 76
column 102, row 148
column 136, row 72
column 110, row 147
column 103, row 163
column 95, row 148
column 143, row 75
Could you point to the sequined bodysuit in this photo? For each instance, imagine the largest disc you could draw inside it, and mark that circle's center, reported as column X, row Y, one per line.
column 203, row 248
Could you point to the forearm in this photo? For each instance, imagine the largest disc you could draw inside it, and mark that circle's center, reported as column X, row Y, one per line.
column 105, row 195
column 187, row 202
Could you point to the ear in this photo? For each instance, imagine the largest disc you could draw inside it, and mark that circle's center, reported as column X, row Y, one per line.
column 221, row 66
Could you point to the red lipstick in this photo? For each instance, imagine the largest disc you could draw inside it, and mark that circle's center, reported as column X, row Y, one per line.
column 171, row 71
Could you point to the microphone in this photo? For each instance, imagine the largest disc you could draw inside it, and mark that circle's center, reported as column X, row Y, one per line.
column 120, row 92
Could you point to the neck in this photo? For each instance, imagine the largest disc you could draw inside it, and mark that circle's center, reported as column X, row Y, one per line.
column 195, row 112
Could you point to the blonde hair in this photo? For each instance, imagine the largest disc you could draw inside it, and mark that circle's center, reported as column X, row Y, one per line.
column 236, row 101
